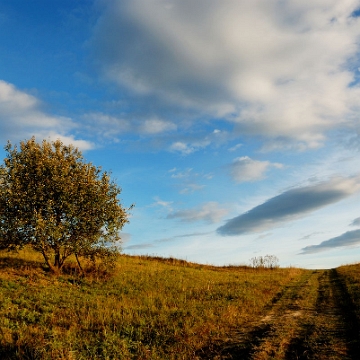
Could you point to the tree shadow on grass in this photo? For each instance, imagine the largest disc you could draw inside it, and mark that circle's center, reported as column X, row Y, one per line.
column 7, row 262
column 12, row 352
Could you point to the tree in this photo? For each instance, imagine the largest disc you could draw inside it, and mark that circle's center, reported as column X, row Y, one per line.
column 60, row 206
column 267, row 261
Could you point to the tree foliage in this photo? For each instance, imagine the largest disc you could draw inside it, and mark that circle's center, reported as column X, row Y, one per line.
column 60, row 206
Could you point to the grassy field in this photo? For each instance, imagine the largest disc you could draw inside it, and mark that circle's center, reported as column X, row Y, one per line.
column 170, row 309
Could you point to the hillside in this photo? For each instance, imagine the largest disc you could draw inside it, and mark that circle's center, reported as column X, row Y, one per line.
column 169, row 309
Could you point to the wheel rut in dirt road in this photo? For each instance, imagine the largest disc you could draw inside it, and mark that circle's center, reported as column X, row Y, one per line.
column 312, row 318
column 335, row 327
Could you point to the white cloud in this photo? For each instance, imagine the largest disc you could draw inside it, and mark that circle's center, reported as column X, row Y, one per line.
column 155, row 126
column 209, row 212
column 21, row 117
column 182, row 148
column 67, row 140
column 188, row 146
column 12, row 98
column 246, row 169
column 277, row 69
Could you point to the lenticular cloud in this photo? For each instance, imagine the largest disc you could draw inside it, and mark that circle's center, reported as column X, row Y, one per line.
column 289, row 205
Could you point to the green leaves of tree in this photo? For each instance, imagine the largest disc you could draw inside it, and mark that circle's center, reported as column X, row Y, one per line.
column 54, row 201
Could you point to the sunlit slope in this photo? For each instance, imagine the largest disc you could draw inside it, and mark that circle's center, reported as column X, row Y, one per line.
column 149, row 309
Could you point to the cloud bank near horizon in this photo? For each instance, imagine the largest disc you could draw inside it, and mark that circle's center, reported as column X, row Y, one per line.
column 289, row 206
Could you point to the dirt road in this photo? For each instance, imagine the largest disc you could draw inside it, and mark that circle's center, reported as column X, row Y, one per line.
column 312, row 318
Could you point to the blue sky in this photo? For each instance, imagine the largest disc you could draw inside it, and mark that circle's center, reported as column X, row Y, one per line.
column 232, row 125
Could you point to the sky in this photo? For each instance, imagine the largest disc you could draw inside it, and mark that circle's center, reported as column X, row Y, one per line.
column 232, row 125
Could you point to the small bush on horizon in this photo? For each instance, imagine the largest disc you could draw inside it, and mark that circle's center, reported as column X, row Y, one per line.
column 265, row 262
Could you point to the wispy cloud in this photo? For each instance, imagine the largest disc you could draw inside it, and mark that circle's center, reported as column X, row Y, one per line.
column 181, row 236
column 106, row 126
column 235, row 147
column 356, row 222
column 290, row 205
column 276, row 69
column 139, row 246
column 181, row 174
column 189, row 147
column 210, row 212
column 156, row 126
column 165, row 204
column 110, row 127
column 190, row 188
column 306, row 237
column 188, row 180
column 155, row 243
column 125, row 237
column 245, row 169
column 349, row 238
column 21, row 117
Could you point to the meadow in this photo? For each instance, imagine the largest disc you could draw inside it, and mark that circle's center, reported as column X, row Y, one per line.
column 154, row 308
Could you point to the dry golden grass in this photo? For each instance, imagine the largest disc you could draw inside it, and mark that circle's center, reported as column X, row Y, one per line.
column 148, row 309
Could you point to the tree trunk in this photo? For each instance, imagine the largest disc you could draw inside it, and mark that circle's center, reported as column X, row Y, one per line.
column 48, row 263
column 57, row 263
column 78, row 261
